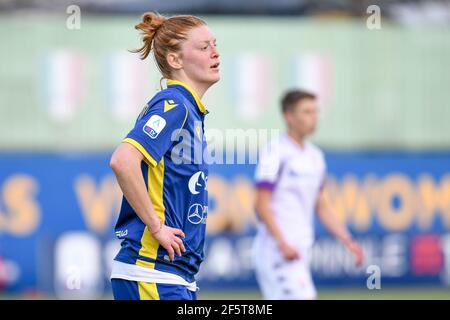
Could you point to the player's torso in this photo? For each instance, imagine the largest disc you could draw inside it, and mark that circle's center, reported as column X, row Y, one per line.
column 185, row 181
column 177, row 187
column 301, row 175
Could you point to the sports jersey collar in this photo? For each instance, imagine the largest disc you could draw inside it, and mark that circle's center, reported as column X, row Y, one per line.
column 295, row 143
column 199, row 102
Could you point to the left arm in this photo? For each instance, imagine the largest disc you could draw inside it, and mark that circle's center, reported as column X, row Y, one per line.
column 328, row 218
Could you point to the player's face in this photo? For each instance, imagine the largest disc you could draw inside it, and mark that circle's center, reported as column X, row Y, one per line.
column 304, row 117
column 200, row 56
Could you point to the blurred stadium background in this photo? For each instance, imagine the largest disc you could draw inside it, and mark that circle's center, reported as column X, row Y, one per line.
column 70, row 91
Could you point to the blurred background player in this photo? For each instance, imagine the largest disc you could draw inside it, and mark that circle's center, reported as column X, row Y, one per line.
column 165, row 200
column 290, row 182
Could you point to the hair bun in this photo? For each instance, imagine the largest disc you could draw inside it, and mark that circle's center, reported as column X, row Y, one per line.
column 148, row 26
column 151, row 21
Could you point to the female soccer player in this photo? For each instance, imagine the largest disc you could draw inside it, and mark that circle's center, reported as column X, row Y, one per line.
column 165, row 204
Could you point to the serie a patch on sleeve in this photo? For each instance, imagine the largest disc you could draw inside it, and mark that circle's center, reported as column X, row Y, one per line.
column 154, row 126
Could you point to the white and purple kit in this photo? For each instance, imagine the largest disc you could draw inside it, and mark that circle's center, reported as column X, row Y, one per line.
column 295, row 175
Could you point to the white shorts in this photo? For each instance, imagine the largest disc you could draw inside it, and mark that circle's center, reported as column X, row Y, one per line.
column 278, row 278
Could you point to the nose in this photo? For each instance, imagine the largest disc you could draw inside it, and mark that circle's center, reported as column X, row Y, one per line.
column 215, row 52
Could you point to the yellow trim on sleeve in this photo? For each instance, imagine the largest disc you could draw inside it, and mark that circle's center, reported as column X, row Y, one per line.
column 138, row 146
column 199, row 102
column 148, row 291
column 155, row 183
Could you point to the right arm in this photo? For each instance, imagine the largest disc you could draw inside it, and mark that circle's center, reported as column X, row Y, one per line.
column 264, row 211
column 126, row 164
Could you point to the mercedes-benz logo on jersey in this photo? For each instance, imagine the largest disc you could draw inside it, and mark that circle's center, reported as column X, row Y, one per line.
column 197, row 213
column 197, row 182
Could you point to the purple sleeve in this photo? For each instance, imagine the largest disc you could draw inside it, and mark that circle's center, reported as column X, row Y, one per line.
column 265, row 185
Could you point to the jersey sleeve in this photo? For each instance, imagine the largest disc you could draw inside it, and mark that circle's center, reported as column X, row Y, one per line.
column 152, row 133
column 268, row 167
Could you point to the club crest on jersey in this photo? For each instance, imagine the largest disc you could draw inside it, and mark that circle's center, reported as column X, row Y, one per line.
column 154, row 126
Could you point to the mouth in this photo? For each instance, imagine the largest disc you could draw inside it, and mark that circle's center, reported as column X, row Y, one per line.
column 215, row 66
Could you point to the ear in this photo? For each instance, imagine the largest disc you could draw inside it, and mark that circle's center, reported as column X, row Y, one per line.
column 288, row 117
column 174, row 60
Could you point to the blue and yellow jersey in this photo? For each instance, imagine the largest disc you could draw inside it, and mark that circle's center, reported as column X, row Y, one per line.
column 169, row 132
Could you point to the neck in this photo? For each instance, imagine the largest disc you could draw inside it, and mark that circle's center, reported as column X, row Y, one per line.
column 298, row 138
column 199, row 88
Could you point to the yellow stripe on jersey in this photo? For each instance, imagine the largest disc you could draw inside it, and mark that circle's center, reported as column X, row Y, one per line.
column 155, row 185
column 149, row 159
column 148, row 291
column 145, row 264
column 199, row 102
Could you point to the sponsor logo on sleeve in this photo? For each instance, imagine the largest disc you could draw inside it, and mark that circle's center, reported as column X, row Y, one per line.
column 154, row 126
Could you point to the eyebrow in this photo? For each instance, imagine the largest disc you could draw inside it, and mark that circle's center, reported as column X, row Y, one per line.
column 208, row 41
